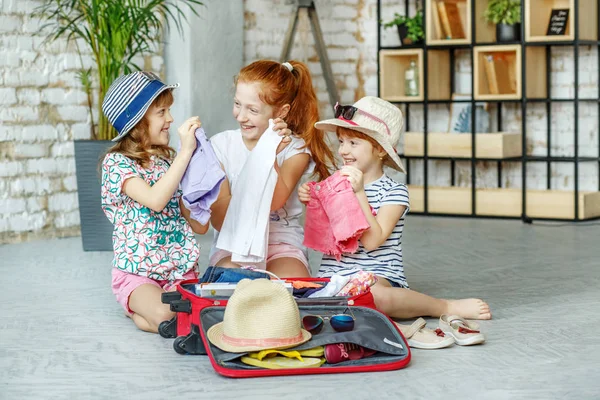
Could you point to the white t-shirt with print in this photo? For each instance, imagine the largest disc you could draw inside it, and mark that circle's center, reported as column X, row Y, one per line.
column 284, row 226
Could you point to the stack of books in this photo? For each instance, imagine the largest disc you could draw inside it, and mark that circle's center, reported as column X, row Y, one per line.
column 447, row 19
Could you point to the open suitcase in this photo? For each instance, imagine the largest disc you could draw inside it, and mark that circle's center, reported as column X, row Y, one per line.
column 373, row 330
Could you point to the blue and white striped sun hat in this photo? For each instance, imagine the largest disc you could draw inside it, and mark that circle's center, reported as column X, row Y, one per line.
column 128, row 99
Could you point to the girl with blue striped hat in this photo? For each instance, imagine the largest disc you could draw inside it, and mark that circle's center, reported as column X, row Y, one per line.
column 153, row 238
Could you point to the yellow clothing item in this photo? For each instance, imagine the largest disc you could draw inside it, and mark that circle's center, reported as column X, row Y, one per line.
column 279, row 362
column 314, row 352
column 281, row 359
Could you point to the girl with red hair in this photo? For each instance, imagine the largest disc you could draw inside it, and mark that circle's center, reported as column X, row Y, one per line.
column 282, row 92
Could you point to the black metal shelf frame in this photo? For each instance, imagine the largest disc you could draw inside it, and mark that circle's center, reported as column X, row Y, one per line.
column 548, row 100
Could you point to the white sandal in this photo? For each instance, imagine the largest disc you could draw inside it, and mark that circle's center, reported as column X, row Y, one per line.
column 418, row 336
column 464, row 332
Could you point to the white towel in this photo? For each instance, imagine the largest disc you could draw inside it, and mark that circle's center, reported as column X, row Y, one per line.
column 245, row 230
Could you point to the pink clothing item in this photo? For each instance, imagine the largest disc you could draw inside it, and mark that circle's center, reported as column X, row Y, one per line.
column 359, row 283
column 334, row 219
column 124, row 283
column 275, row 251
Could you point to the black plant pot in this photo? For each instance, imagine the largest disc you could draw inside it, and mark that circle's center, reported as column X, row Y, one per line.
column 403, row 33
column 96, row 229
column 508, row 33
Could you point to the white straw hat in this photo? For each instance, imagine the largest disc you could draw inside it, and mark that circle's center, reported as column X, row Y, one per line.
column 375, row 118
column 260, row 315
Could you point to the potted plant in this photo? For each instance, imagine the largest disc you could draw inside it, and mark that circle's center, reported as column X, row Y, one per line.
column 117, row 32
column 410, row 29
column 506, row 14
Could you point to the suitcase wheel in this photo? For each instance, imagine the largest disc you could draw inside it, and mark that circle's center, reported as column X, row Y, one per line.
column 177, row 345
column 168, row 329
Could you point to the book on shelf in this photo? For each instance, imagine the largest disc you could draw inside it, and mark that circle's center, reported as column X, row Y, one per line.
column 439, row 33
column 441, row 6
column 490, row 73
column 505, row 73
column 453, row 15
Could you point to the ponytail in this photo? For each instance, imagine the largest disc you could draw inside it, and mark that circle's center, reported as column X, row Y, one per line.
column 281, row 86
column 304, row 113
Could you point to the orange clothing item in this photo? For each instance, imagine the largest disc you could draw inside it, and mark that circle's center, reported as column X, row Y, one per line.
column 303, row 284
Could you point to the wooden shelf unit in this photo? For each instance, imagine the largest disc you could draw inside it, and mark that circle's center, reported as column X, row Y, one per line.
column 393, row 64
column 485, row 32
column 537, row 15
column 497, row 67
column 508, row 72
column 498, row 145
column 547, row 204
column 435, row 24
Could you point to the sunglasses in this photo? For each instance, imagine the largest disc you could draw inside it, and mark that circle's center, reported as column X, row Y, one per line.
column 339, row 322
column 347, row 113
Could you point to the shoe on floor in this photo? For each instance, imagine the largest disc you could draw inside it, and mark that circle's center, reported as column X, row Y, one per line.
column 464, row 332
column 420, row 337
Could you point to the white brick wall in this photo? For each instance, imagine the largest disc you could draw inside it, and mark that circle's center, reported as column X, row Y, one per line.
column 42, row 110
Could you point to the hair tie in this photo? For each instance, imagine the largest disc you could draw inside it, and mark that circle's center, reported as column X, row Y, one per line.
column 288, row 66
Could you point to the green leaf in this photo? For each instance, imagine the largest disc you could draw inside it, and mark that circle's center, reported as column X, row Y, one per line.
column 503, row 12
column 414, row 25
column 115, row 31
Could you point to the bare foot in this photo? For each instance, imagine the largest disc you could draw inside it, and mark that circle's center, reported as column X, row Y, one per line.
column 469, row 308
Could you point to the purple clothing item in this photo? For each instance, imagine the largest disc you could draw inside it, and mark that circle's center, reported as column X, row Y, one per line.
column 202, row 179
column 334, row 219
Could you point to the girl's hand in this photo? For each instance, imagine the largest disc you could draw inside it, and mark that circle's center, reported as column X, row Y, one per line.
column 354, row 176
column 282, row 130
column 304, row 193
column 282, row 145
column 281, row 127
column 186, row 133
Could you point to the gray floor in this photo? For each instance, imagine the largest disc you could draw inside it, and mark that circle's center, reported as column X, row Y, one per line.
column 64, row 336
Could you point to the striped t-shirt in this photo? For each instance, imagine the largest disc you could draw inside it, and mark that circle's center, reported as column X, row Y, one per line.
column 386, row 260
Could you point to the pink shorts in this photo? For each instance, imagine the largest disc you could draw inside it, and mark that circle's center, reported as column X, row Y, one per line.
column 275, row 251
column 124, row 283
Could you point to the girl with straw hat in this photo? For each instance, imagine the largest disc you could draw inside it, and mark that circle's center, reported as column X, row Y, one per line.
column 368, row 134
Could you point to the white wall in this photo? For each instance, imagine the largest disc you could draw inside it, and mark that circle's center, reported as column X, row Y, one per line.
column 204, row 61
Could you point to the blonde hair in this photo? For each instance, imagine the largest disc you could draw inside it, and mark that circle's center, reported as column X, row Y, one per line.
column 136, row 144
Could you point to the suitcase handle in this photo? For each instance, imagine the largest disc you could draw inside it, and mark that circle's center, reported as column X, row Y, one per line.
column 181, row 306
column 169, row 297
column 339, row 301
